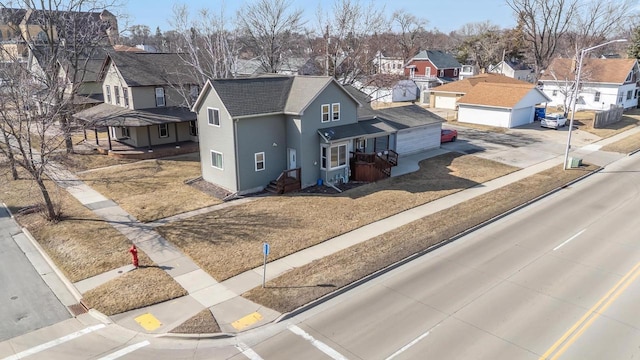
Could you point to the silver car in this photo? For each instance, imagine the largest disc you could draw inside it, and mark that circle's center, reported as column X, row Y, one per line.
column 553, row 121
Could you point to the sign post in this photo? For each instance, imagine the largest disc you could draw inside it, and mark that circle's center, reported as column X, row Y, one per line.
column 265, row 252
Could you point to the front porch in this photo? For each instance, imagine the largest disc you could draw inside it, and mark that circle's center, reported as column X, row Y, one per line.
column 370, row 167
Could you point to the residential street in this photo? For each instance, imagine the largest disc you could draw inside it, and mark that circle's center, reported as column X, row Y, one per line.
column 27, row 301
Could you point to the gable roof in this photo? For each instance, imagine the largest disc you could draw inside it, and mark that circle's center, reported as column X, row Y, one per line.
column 149, row 69
column 611, row 71
column 277, row 94
column 499, row 94
column 438, row 58
column 465, row 85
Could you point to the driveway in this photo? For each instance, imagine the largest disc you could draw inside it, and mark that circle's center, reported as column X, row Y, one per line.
column 522, row 146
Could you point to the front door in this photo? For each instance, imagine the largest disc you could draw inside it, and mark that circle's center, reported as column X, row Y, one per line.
column 292, row 158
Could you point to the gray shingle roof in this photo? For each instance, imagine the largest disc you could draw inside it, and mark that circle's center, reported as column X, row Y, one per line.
column 363, row 128
column 149, row 69
column 112, row 115
column 252, row 96
column 440, row 59
column 303, row 91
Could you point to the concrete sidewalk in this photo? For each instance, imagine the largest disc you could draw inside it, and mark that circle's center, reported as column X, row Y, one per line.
column 233, row 312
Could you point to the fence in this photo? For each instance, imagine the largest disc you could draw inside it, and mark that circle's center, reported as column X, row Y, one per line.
column 607, row 117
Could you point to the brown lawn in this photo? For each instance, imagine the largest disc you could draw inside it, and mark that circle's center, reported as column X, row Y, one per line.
column 228, row 242
column 307, row 283
column 151, row 189
column 201, row 323
column 625, row 146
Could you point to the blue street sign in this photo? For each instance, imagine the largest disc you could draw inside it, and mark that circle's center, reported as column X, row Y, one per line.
column 265, row 248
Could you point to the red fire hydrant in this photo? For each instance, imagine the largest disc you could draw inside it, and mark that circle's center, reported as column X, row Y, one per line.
column 134, row 255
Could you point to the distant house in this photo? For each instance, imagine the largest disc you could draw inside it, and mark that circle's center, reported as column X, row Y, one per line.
column 145, row 106
column 505, row 105
column 304, row 130
column 430, row 68
column 467, row 71
column 390, row 65
column 513, row 69
column 604, row 83
column 446, row 96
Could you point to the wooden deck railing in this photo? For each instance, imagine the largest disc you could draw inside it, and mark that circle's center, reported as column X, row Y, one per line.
column 287, row 181
column 373, row 166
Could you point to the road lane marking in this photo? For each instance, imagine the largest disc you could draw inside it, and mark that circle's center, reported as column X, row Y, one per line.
column 148, row 322
column 567, row 241
column 415, row 341
column 587, row 319
column 248, row 352
column 247, row 321
column 52, row 343
column 317, row 343
column 125, row 351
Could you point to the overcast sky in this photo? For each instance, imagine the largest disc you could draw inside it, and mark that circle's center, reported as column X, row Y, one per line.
column 445, row 15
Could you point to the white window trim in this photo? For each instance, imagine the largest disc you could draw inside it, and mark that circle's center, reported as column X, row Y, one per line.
column 116, row 94
column 108, row 92
column 125, row 96
column 210, row 120
column 160, row 130
column 329, row 148
column 193, row 128
column 333, row 112
column 221, row 160
column 328, row 113
column 164, row 97
column 455, row 72
column 264, row 162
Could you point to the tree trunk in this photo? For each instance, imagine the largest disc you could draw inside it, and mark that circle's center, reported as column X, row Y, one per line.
column 66, row 132
column 51, row 214
column 10, row 156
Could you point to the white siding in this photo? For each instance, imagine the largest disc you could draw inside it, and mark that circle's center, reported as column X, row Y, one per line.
column 445, row 102
column 586, row 97
column 418, row 139
column 522, row 116
column 484, row 116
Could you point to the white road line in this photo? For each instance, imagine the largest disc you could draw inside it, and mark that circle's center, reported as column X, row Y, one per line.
column 415, row 341
column 317, row 343
column 248, row 352
column 571, row 238
column 125, row 351
column 52, row 343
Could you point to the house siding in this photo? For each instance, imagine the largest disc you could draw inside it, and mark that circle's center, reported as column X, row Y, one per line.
column 144, row 97
column 608, row 95
column 220, row 139
column 484, row 116
column 260, row 134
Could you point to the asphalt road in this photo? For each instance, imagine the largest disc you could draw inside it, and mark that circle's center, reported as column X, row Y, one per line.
column 556, row 279
column 26, row 302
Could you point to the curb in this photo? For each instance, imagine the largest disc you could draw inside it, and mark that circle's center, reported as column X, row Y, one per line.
column 210, row 336
column 414, row 256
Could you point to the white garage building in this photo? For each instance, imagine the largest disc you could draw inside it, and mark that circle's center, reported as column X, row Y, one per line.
column 501, row 105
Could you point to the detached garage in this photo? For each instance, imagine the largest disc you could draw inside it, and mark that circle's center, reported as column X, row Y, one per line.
column 417, row 129
column 501, row 105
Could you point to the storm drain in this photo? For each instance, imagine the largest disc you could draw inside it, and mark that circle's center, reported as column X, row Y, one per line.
column 78, row 309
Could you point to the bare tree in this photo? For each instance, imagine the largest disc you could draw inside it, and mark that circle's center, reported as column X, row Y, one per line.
column 268, row 27
column 410, row 31
column 59, row 39
column 543, row 23
column 480, row 43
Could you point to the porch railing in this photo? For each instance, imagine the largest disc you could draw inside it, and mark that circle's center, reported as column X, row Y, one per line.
column 287, row 181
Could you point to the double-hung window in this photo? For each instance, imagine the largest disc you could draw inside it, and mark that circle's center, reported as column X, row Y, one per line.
column 193, row 128
column 596, row 97
column 335, row 111
column 163, row 130
column 629, row 94
column 116, row 94
column 216, row 160
column 259, row 157
column 107, row 90
column 125, row 95
column 213, row 116
column 334, row 156
column 160, row 101
column 325, row 113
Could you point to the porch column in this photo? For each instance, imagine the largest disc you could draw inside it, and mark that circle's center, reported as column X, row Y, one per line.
column 95, row 132
column 108, row 138
column 175, row 128
column 149, row 137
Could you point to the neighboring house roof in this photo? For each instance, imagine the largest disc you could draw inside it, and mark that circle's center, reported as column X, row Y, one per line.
column 277, row 94
column 611, row 71
column 465, row 85
column 499, row 94
column 149, row 69
column 438, row 58
column 112, row 115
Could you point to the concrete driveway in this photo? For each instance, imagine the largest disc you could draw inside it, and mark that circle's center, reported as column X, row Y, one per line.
column 522, row 146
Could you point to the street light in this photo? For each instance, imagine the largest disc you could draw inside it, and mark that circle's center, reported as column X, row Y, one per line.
column 575, row 94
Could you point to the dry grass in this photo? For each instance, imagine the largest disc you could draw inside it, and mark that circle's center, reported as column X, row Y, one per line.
column 201, row 323
column 82, row 244
column 627, row 122
column 151, row 189
column 133, row 290
column 83, row 162
column 307, row 283
column 228, row 241
column 625, row 146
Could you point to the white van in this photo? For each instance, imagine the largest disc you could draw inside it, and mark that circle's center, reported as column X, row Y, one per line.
column 553, row 121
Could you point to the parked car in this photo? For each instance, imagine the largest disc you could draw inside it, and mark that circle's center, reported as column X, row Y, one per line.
column 553, row 121
column 447, row 135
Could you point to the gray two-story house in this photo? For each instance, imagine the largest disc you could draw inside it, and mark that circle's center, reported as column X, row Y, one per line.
column 146, row 100
column 256, row 130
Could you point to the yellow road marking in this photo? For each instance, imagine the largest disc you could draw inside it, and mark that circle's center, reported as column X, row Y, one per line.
column 148, row 322
column 247, row 321
column 585, row 321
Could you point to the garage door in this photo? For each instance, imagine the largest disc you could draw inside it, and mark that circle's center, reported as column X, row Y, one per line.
column 446, row 102
column 417, row 139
